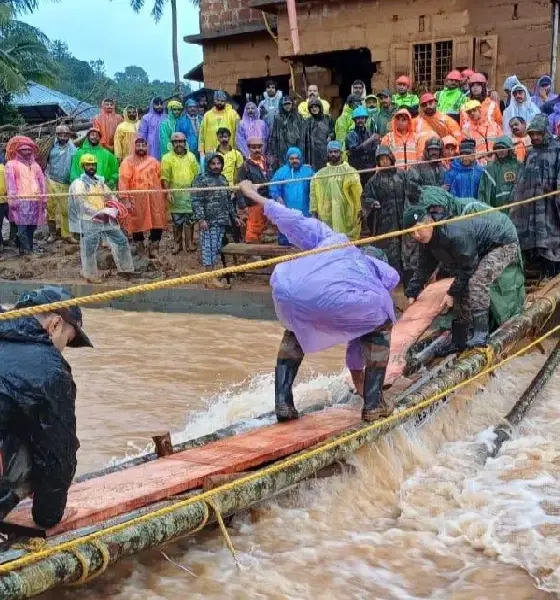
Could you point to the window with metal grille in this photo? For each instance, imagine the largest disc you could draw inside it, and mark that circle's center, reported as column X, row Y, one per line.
column 432, row 62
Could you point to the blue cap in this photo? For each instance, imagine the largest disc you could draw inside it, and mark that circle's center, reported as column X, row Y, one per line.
column 334, row 146
column 72, row 314
column 360, row 111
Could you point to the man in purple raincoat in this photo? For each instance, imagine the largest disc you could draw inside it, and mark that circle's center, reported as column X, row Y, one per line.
column 149, row 127
column 340, row 296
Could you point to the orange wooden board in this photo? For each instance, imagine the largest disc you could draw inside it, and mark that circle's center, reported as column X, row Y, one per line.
column 412, row 324
column 92, row 502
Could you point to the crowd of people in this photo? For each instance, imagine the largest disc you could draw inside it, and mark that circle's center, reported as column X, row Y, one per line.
column 358, row 174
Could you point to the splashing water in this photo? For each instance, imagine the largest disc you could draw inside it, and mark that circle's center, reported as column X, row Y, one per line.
column 419, row 514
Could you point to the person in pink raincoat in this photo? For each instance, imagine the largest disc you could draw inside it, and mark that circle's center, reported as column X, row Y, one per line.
column 340, row 296
column 26, row 187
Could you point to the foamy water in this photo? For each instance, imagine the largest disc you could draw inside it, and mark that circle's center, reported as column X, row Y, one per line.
column 420, row 514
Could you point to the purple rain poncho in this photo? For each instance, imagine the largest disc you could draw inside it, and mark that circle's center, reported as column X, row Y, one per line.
column 330, row 298
column 149, row 130
column 250, row 127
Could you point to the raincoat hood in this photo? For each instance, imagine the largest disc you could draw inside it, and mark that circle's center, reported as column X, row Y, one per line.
column 434, row 142
column 282, row 111
column 538, row 124
column 293, row 150
column 557, row 108
column 449, row 140
column 506, row 141
column 246, row 116
column 542, row 80
column 207, row 160
column 436, row 196
column 151, row 110
column 510, row 82
column 127, row 118
column 384, row 151
column 402, row 111
column 316, row 102
column 526, row 109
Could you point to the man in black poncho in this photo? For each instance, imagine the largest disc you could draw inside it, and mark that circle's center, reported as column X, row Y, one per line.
column 38, row 441
column 538, row 223
column 286, row 133
column 318, row 131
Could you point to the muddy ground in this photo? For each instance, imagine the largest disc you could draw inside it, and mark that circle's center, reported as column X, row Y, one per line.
column 60, row 262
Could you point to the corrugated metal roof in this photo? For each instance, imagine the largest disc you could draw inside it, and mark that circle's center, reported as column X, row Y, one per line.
column 40, row 95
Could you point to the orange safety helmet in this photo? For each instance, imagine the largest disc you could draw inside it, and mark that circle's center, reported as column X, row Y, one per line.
column 467, row 73
column 477, row 78
column 427, row 97
column 455, row 75
column 404, row 79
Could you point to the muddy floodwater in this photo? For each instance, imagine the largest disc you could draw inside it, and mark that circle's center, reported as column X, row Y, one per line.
column 420, row 516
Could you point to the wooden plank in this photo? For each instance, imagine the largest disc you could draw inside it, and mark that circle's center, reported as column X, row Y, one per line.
column 96, row 500
column 414, row 321
column 257, row 250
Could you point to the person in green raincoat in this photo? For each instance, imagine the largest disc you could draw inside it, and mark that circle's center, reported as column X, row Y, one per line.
column 169, row 126
column 451, row 99
column 371, row 102
column 335, row 196
column 345, row 122
column 107, row 163
column 500, row 176
column 385, row 111
column 507, row 292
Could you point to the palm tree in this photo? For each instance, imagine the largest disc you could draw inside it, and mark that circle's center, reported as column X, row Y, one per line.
column 24, row 54
column 157, row 13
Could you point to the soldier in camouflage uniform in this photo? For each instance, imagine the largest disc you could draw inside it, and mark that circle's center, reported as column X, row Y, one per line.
column 476, row 252
column 213, row 211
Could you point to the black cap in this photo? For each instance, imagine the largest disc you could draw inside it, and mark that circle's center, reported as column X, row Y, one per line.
column 72, row 314
column 467, row 146
column 385, row 93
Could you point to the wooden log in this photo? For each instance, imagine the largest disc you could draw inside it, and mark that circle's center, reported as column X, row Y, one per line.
column 163, row 444
column 521, row 407
column 64, row 567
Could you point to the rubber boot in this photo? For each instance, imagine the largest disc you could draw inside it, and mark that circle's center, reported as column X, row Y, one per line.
column 284, row 377
column 376, row 406
column 458, row 340
column 52, row 232
column 481, row 330
column 178, row 238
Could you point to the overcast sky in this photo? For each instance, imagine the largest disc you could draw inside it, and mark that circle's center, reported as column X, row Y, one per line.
column 110, row 30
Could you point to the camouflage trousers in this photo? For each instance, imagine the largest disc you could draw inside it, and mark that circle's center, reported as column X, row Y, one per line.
column 370, row 350
column 477, row 297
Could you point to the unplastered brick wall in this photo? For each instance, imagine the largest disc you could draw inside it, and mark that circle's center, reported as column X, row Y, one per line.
column 224, row 15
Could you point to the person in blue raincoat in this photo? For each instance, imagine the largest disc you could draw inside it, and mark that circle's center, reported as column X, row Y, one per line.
column 189, row 124
column 292, row 195
column 463, row 178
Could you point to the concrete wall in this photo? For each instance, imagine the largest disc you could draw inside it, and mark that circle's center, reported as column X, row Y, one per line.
column 388, row 27
column 243, row 57
column 247, row 305
column 223, row 15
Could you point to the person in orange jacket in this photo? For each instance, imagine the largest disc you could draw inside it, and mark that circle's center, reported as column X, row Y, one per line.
column 402, row 140
column 431, row 122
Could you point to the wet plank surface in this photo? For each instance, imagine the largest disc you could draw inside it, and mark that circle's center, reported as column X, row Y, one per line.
column 412, row 324
column 96, row 500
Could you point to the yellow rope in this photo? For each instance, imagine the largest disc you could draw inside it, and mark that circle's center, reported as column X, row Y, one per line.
column 270, row 470
column 202, row 277
column 233, row 188
column 214, row 505
column 85, row 577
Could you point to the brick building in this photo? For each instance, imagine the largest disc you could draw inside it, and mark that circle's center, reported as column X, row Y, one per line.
column 246, row 41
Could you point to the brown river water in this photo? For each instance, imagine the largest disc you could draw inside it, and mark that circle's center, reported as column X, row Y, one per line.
column 421, row 516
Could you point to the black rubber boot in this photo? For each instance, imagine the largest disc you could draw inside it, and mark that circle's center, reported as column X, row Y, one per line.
column 458, row 340
column 375, row 405
column 481, row 330
column 52, row 232
column 285, row 375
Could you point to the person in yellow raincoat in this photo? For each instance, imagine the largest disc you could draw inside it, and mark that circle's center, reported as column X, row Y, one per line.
column 126, row 132
column 179, row 167
column 221, row 115
column 336, row 200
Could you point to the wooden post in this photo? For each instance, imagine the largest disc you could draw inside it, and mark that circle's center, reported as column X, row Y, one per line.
column 164, row 447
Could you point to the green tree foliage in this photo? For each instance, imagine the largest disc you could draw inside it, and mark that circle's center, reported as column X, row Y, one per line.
column 24, row 51
column 88, row 81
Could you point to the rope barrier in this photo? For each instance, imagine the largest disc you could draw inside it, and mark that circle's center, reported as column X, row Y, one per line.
column 205, row 276
column 204, row 497
column 261, row 185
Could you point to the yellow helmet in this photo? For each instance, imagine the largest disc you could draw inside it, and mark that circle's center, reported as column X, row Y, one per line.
column 472, row 104
column 88, row 159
